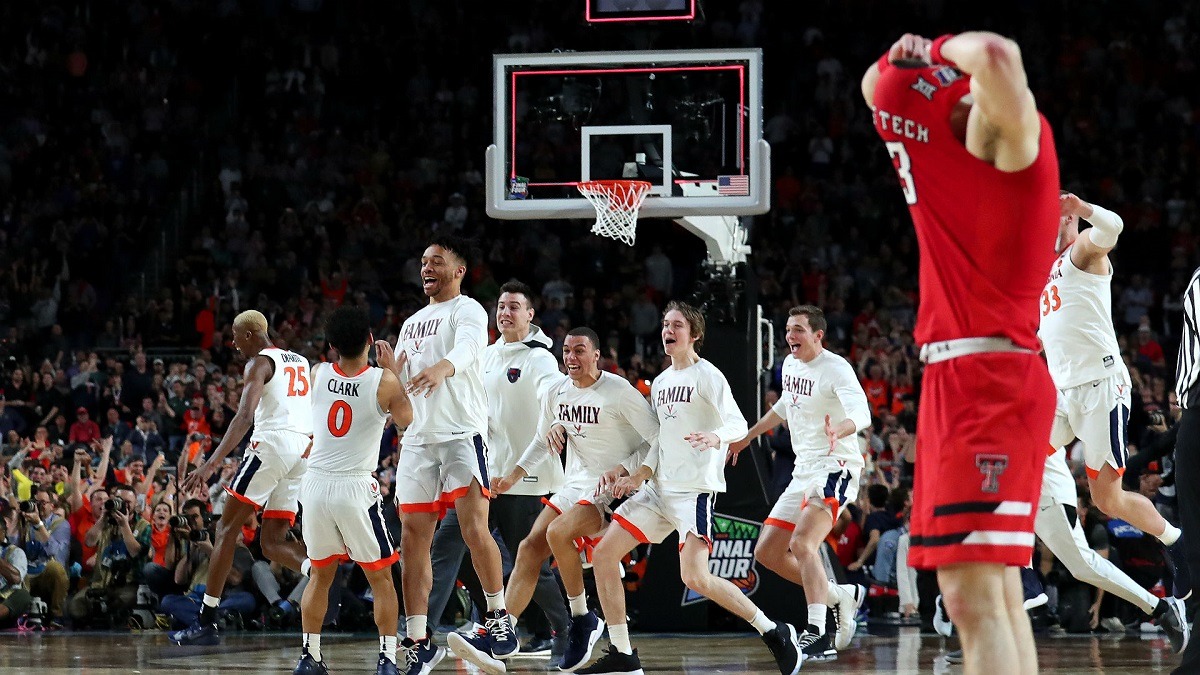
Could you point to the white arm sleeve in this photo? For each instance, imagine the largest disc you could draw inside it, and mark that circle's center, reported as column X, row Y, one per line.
column 538, row 449
column 1106, row 226
column 733, row 423
column 636, row 410
column 852, row 397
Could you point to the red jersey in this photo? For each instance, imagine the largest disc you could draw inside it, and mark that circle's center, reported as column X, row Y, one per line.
column 986, row 236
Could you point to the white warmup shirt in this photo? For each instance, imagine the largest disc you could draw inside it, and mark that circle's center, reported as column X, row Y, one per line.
column 286, row 403
column 455, row 330
column 349, row 423
column 608, row 423
column 824, row 386
column 1077, row 326
column 688, row 400
column 517, row 377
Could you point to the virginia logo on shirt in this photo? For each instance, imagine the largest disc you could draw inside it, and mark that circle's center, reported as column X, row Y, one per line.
column 514, row 374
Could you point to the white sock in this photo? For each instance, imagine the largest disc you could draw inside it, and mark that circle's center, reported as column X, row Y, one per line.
column 415, row 627
column 816, row 617
column 387, row 645
column 312, row 644
column 578, row 604
column 618, row 635
column 512, row 619
column 495, row 600
column 761, row 623
column 211, row 601
column 305, row 566
column 1170, row 535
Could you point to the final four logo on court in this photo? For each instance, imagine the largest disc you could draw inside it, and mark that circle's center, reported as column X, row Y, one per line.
column 732, row 555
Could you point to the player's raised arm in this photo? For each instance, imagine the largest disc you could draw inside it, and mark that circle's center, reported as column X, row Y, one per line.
column 998, row 81
column 1092, row 246
column 910, row 48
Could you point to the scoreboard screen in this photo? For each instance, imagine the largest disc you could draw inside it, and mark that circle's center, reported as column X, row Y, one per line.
column 621, row 11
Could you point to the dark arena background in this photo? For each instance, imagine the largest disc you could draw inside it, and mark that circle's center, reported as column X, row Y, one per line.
column 168, row 164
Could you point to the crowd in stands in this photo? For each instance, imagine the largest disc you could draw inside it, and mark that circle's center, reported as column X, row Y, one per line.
column 330, row 140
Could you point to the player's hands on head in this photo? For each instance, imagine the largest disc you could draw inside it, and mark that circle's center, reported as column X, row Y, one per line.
column 557, row 438
column 910, row 50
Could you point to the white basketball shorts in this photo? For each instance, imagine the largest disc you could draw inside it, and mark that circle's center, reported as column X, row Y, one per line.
column 269, row 477
column 343, row 520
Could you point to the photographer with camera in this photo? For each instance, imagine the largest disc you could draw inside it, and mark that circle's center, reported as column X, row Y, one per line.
column 45, row 537
column 159, row 574
column 121, row 537
column 191, row 573
column 14, row 598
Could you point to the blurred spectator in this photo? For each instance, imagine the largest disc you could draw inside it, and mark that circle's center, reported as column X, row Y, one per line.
column 83, row 430
column 121, row 539
column 14, row 598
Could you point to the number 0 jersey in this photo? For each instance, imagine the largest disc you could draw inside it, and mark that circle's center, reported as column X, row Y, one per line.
column 347, row 419
column 286, row 404
column 986, row 236
column 1077, row 326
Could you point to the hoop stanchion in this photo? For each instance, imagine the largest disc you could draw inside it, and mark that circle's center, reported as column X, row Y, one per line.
column 617, row 203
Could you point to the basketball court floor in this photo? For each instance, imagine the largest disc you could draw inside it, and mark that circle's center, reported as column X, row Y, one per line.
column 903, row 651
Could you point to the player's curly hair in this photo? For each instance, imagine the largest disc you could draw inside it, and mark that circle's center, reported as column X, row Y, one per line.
column 348, row 330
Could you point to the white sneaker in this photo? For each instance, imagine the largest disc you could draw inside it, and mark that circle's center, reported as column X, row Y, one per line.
column 1036, row 601
column 850, row 598
column 941, row 620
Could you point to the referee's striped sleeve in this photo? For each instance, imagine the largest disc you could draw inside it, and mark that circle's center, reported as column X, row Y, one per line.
column 1187, row 369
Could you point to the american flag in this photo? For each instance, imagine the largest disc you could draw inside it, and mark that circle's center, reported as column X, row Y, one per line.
column 738, row 186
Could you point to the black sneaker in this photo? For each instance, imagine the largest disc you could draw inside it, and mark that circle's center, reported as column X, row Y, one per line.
column 310, row 666
column 785, row 647
column 581, row 639
column 1174, row 623
column 386, row 666
column 817, row 647
column 614, row 663
column 197, row 634
column 536, row 648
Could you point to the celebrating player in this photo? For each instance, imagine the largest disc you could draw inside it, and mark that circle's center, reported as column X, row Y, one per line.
column 343, row 509
column 824, row 406
column 444, row 461
column 603, row 423
column 276, row 399
column 697, row 417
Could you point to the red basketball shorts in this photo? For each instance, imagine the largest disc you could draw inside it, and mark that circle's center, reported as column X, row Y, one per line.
column 982, row 427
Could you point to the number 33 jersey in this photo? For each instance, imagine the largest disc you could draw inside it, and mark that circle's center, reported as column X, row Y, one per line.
column 347, row 420
column 286, row 403
column 1077, row 326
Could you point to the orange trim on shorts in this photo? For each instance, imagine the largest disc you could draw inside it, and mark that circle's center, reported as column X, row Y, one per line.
column 547, row 502
column 630, row 528
column 379, row 564
column 289, row 516
column 833, row 507
column 706, row 540
column 1051, row 451
column 781, row 524
column 1094, row 474
column 325, row 562
column 242, row 499
column 421, row 507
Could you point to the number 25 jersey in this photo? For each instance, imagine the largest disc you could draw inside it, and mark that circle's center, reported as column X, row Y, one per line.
column 286, row 403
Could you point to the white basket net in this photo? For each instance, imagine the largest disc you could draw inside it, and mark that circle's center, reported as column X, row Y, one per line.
column 617, row 203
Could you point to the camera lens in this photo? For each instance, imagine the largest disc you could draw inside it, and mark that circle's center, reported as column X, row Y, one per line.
column 29, row 506
column 177, row 522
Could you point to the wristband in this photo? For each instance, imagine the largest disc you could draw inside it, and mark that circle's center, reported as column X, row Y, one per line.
column 935, row 50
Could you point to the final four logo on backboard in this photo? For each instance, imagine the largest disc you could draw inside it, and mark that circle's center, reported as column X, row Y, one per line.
column 732, row 555
column 518, row 187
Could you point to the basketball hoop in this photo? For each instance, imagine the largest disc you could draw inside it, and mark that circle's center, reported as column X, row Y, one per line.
column 617, row 203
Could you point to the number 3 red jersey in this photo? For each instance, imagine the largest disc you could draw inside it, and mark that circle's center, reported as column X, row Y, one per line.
column 986, row 236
